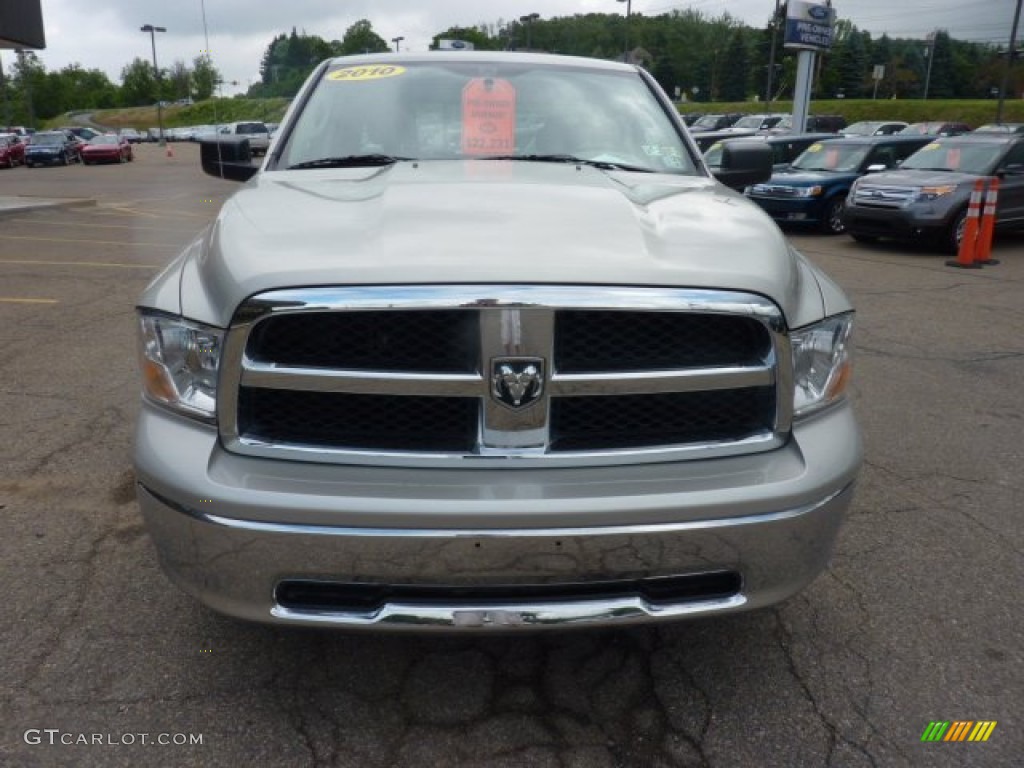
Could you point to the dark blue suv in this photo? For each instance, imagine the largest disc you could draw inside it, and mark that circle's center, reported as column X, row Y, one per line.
column 811, row 192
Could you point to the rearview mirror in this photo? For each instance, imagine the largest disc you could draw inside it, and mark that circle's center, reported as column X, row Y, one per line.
column 227, row 157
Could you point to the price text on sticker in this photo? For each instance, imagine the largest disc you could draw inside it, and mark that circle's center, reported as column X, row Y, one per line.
column 488, row 117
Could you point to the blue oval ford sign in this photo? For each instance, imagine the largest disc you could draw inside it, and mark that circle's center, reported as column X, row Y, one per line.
column 818, row 12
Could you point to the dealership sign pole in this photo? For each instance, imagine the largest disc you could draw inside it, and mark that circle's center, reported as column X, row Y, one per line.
column 808, row 30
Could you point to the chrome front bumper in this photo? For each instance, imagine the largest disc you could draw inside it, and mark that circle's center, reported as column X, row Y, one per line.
column 230, row 529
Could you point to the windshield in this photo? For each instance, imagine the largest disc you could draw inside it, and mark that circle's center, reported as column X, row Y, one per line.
column 861, row 129
column 251, row 128
column 751, row 121
column 921, row 129
column 475, row 110
column 48, row 138
column 103, row 140
column 708, row 121
column 959, row 156
column 832, row 156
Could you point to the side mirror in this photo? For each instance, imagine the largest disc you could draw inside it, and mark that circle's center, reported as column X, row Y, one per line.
column 227, row 157
column 744, row 163
column 877, row 168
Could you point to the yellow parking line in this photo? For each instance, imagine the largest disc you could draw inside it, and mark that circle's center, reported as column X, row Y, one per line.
column 79, row 264
column 27, row 301
column 86, row 242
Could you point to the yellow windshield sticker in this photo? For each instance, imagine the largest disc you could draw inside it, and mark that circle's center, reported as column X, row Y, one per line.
column 814, row 148
column 933, row 145
column 358, row 74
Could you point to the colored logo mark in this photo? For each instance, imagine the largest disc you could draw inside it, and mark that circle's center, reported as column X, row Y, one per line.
column 958, row 730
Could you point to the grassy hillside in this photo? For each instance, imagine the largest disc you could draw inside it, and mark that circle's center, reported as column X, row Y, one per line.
column 973, row 112
column 207, row 112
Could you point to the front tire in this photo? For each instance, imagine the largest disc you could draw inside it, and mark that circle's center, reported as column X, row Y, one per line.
column 832, row 219
column 954, row 234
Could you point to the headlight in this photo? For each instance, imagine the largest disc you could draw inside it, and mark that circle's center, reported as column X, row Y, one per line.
column 931, row 193
column 179, row 362
column 807, row 191
column 821, row 363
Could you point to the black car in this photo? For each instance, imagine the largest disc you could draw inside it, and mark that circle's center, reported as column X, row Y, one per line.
column 707, row 139
column 926, row 199
column 935, row 128
column 814, row 124
column 785, row 147
column 51, row 148
column 715, row 122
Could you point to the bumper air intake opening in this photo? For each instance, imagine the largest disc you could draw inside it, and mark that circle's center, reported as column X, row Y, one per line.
column 329, row 596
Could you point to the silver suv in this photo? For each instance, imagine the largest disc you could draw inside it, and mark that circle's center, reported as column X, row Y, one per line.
column 454, row 360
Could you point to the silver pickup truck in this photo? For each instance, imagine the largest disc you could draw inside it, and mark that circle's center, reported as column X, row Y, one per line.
column 482, row 345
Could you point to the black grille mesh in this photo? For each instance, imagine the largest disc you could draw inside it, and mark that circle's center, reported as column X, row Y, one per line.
column 358, row 422
column 589, row 341
column 595, row 423
column 437, row 341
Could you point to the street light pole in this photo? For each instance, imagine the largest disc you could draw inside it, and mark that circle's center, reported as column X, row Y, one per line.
column 771, row 54
column 625, row 36
column 1010, row 54
column 156, row 73
column 930, row 53
column 398, row 43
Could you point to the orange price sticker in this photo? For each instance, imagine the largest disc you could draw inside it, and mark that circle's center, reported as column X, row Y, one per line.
column 488, row 117
column 953, row 158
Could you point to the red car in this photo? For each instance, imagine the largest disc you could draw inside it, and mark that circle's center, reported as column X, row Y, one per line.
column 12, row 150
column 107, row 148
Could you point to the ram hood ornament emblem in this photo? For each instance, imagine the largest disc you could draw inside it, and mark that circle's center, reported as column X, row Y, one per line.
column 516, row 382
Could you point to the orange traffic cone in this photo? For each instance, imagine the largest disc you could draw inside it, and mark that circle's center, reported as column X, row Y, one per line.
column 965, row 256
column 983, row 253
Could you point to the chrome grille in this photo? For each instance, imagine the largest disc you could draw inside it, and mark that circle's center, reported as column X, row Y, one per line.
column 871, row 196
column 409, row 375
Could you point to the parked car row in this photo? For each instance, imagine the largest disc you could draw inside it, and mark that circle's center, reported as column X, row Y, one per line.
column 908, row 185
column 63, row 147
column 256, row 131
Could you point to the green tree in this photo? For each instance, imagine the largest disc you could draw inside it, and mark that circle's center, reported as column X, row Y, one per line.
column 204, row 77
column 138, row 87
column 28, row 76
column 360, row 38
column 736, row 69
column 179, row 80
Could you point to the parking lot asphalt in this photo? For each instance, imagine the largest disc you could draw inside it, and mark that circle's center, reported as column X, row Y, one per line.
column 916, row 620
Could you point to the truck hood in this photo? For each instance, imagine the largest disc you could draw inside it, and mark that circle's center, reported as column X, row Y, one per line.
column 487, row 222
column 912, row 178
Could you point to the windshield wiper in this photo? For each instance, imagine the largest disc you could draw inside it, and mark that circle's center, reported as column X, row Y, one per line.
column 946, row 170
column 605, row 165
column 349, row 161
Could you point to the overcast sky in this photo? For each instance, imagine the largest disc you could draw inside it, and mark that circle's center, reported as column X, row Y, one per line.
column 105, row 34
